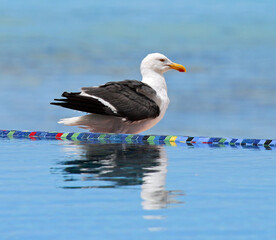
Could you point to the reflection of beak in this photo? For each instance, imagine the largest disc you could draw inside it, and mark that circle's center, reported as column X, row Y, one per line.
column 177, row 67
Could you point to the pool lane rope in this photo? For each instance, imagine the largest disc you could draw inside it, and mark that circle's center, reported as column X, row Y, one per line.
column 135, row 138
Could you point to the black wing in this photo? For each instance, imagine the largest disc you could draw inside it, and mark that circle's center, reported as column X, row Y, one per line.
column 131, row 99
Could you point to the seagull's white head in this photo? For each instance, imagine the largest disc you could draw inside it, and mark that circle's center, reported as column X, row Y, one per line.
column 159, row 63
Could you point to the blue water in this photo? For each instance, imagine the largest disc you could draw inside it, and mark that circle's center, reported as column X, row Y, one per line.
column 70, row 190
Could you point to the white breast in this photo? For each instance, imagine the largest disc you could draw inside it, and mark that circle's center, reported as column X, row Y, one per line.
column 158, row 83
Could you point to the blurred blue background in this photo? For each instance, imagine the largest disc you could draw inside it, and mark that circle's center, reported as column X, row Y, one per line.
column 228, row 48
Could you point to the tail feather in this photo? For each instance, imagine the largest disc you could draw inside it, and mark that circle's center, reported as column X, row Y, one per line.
column 82, row 103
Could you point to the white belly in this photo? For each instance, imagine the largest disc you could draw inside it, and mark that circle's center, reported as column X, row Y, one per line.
column 108, row 124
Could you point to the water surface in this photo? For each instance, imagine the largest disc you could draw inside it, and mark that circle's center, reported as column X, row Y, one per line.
column 68, row 190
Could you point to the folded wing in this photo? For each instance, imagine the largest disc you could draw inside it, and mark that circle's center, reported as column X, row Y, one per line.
column 129, row 99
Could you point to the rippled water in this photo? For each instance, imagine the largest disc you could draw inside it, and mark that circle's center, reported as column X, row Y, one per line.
column 73, row 190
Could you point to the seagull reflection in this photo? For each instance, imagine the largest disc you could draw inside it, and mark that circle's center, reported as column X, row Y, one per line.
column 121, row 165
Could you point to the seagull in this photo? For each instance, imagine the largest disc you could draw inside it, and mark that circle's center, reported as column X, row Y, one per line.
column 128, row 106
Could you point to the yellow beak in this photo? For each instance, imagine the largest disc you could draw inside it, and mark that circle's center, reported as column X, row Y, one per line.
column 177, row 67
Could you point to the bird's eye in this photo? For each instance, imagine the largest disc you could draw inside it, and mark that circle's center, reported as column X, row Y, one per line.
column 162, row 60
